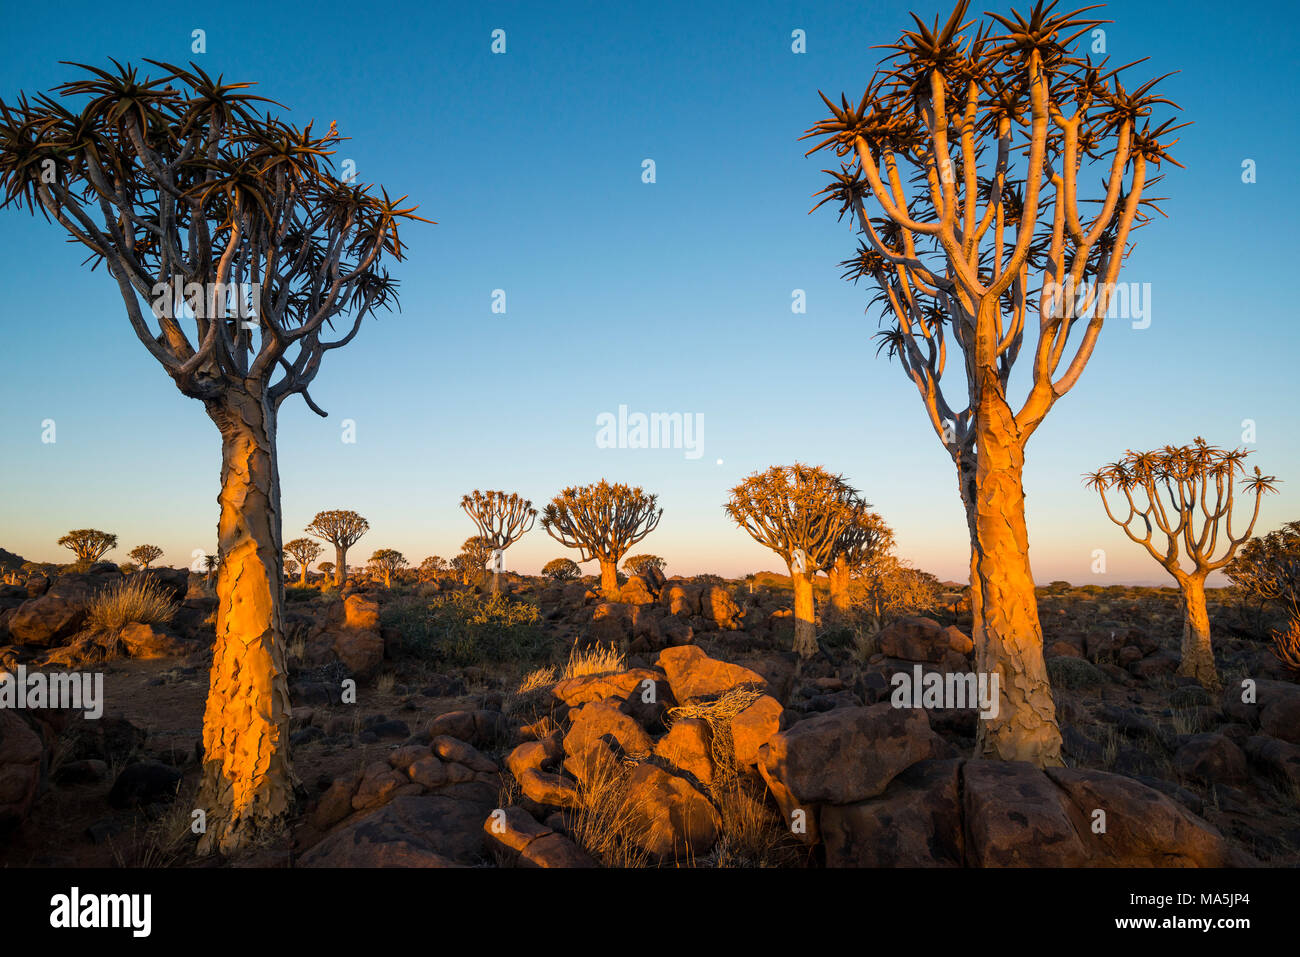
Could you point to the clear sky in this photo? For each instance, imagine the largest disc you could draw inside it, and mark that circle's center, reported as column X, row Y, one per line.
column 666, row 297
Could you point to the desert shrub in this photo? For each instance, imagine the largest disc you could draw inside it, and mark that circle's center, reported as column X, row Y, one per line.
column 1066, row 672
column 561, row 569
column 888, row 587
column 461, row 628
column 301, row 592
column 139, row 598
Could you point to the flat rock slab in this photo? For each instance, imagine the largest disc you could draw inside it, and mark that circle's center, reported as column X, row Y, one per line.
column 409, row 831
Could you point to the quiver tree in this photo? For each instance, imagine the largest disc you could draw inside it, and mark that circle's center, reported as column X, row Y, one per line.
column 643, row 564
column 326, row 569
column 385, row 562
column 561, row 570
column 144, row 555
column 236, row 251
column 864, row 540
column 501, row 520
column 961, row 166
column 341, row 528
column 290, row 568
column 799, row 512
column 210, row 565
column 1267, row 569
column 431, row 568
column 88, row 544
column 474, row 555
column 1187, row 494
column 304, row 552
column 602, row 521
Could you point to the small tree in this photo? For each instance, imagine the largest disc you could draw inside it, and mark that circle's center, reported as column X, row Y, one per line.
column 341, row 528
column 886, row 586
column 642, row 564
column 385, row 562
column 800, row 512
column 326, row 569
column 1188, row 476
column 431, row 568
column 602, row 522
column 474, row 555
column 304, row 551
column 561, row 570
column 1267, row 569
column 862, row 541
column 88, row 544
column 290, row 568
column 501, row 519
column 144, row 555
column 210, row 565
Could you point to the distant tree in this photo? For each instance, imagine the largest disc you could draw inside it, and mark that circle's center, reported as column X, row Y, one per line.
column 144, row 555
column 561, row 569
column 501, row 520
column 341, row 528
column 862, row 541
column 210, row 565
column 385, row 562
column 474, row 555
column 1191, row 478
column 304, row 551
column 88, row 544
column 602, row 521
column 432, row 567
column 639, row 564
column 799, row 512
column 886, row 586
column 290, row 568
column 326, row 569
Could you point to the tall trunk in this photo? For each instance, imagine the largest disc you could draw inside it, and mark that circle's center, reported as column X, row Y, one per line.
column 838, row 576
column 302, row 580
column 248, row 782
column 1198, row 656
column 609, row 578
column 805, row 615
column 340, row 564
column 388, row 578
column 1007, row 634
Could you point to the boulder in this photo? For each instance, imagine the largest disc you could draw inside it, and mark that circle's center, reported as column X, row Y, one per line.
column 24, row 758
column 682, row 600
column 1211, row 759
column 602, row 721
column 694, row 676
column 361, row 652
column 636, row 592
column 409, row 831
column 717, row 606
column 687, row 748
column 42, row 622
column 847, row 755
column 915, row 639
column 152, row 641
column 916, row 822
column 754, row 727
column 667, row 817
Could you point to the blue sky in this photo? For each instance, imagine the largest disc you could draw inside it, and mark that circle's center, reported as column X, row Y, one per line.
column 669, row 297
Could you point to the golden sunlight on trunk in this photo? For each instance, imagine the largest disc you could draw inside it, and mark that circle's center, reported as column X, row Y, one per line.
column 1198, row 656
column 247, row 784
column 1007, row 634
column 805, row 616
column 609, row 579
column 838, row 577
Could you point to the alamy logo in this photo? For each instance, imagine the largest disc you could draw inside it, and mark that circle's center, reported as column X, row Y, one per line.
column 658, row 430
column 74, row 909
column 63, row 689
column 936, row 691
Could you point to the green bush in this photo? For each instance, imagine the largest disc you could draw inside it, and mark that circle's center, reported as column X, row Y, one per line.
column 1066, row 672
column 464, row 628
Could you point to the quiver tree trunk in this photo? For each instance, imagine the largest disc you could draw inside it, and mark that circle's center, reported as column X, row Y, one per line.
column 609, row 578
column 805, row 615
column 340, row 564
column 838, row 577
column 1197, row 653
column 248, row 782
column 302, row 575
column 1007, row 634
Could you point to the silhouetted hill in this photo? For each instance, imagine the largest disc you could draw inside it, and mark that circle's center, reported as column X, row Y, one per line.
column 10, row 560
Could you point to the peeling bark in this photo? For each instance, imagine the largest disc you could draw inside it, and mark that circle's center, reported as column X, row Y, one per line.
column 1007, row 634
column 248, row 781
column 805, row 615
column 1197, row 653
column 838, row 577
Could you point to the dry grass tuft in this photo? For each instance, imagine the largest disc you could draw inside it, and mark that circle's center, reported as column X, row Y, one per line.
column 139, row 598
column 604, row 824
column 597, row 660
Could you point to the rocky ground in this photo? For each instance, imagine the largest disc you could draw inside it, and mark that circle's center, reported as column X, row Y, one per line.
column 480, row 737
